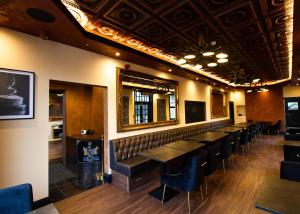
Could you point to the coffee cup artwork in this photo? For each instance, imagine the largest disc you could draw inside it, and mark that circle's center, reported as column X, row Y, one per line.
column 16, row 94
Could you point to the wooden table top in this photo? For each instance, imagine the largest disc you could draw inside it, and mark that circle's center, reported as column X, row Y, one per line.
column 209, row 136
column 291, row 143
column 279, row 196
column 162, row 154
column 186, row 146
column 228, row 129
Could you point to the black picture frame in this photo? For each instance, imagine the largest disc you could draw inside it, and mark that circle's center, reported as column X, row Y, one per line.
column 195, row 111
column 17, row 94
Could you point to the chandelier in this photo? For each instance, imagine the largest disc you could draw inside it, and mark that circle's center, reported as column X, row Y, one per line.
column 205, row 54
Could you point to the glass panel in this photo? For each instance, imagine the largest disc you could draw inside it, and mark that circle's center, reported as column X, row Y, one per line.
column 172, row 113
column 172, row 100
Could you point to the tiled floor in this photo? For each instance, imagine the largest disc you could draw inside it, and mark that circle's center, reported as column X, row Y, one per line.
column 84, row 177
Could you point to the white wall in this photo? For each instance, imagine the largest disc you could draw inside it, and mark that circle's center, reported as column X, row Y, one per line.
column 238, row 97
column 24, row 143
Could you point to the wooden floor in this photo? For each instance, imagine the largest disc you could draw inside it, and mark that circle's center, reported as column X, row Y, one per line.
column 235, row 192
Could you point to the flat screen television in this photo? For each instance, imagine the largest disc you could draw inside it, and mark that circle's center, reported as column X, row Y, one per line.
column 194, row 111
column 293, row 106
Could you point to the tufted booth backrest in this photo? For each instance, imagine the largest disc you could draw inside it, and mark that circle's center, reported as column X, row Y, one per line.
column 127, row 147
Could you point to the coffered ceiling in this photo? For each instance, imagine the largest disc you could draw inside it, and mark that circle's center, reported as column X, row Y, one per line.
column 257, row 34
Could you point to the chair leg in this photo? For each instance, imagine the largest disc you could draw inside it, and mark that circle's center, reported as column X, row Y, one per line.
column 243, row 149
column 189, row 205
column 163, row 196
column 229, row 162
column 201, row 192
column 223, row 161
column 205, row 188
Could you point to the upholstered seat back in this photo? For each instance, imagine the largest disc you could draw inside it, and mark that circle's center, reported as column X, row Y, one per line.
column 127, row 147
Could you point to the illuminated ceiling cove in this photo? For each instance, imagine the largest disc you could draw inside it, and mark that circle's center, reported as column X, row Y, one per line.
column 257, row 35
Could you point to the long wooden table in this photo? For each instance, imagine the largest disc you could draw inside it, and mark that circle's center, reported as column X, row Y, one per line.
column 186, row 146
column 208, row 137
column 279, row 196
column 162, row 154
column 166, row 153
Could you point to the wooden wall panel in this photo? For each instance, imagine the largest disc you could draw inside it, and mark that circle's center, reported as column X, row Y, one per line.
column 97, row 109
column 84, row 107
column 265, row 106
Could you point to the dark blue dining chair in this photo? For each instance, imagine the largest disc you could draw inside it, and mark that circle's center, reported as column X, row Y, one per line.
column 16, row 199
column 226, row 150
column 236, row 146
column 203, row 165
column 187, row 181
column 213, row 153
column 244, row 141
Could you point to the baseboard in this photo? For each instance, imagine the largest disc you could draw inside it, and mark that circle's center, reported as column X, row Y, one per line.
column 107, row 178
column 41, row 203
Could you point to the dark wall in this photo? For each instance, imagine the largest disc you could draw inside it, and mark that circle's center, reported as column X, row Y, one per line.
column 292, row 112
column 266, row 106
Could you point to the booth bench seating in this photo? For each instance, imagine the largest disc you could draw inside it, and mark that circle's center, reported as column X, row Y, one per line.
column 129, row 170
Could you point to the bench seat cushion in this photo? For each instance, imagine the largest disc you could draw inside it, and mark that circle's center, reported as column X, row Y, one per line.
column 133, row 166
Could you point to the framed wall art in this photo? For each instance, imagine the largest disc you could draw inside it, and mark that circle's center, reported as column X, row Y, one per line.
column 16, row 94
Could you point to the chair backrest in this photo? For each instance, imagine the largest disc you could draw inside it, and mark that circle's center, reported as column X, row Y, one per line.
column 237, row 138
column 203, row 165
column 213, row 153
column 277, row 125
column 227, row 145
column 191, row 173
column 16, row 199
column 244, row 137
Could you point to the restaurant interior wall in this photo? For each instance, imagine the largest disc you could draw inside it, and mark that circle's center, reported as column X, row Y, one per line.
column 24, row 143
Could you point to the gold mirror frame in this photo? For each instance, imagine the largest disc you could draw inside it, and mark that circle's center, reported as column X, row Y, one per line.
column 123, row 128
column 218, row 91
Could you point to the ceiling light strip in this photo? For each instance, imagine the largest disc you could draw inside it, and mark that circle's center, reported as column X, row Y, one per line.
column 112, row 34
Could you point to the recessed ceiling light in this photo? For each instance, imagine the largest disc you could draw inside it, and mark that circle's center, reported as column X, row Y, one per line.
column 170, row 70
column 214, row 83
column 198, row 66
column 117, row 54
column 256, row 80
column 248, row 91
column 190, row 56
column 197, row 78
column 222, row 60
column 181, row 61
column 185, row 65
column 222, row 55
column 209, row 53
column 264, row 89
column 212, row 64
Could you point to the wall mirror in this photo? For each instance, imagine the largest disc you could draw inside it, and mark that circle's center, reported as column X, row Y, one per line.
column 145, row 101
column 219, row 104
